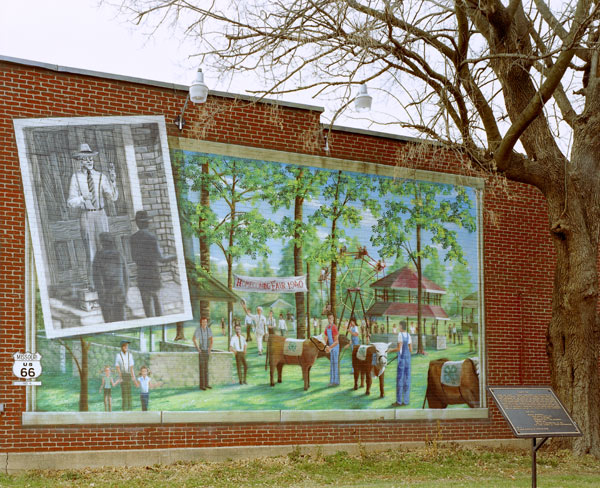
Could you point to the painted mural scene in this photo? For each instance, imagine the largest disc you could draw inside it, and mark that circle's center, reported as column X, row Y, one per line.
column 311, row 289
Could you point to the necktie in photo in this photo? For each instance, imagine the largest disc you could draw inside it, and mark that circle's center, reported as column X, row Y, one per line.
column 240, row 342
column 90, row 182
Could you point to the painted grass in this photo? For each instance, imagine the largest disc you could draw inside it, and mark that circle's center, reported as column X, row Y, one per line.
column 60, row 392
column 432, row 466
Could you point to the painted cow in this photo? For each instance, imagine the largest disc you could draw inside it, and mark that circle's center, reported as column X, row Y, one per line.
column 440, row 395
column 373, row 364
column 312, row 349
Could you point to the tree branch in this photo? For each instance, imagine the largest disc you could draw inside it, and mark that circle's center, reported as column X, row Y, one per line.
column 535, row 106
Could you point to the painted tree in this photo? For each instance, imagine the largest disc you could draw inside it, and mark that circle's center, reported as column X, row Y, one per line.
column 234, row 224
column 262, row 269
column 295, row 185
column 413, row 208
column 345, row 197
column 514, row 84
column 310, row 241
column 82, row 364
column 460, row 285
column 187, row 211
column 435, row 270
column 399, row 263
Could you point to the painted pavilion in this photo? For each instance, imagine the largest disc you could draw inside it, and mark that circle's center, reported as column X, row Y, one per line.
column 396, row 296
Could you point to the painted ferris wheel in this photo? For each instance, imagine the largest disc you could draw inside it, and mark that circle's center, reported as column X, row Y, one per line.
column 357, row 271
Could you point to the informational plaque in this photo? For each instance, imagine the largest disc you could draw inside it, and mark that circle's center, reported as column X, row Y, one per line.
column 534, row 412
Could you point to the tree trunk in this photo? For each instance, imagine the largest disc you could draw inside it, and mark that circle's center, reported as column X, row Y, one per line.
column 83, row 376
column 308, row 300
column 229, row 257
column 204, row 246
column 179, row 335
column 332, row 288
column 298, row 267
column 336, row 214
column 573, row 337
column 420, row 346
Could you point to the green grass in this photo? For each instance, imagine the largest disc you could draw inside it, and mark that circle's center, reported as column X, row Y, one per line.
column 432, row 466
column 60, row 392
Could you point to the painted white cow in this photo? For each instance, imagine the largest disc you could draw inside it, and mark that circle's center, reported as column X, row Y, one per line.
column 370, row 361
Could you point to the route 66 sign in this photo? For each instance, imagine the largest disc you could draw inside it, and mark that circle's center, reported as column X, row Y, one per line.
column 27, row 365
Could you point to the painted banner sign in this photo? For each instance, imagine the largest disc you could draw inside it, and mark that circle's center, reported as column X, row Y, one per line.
column 288, row 284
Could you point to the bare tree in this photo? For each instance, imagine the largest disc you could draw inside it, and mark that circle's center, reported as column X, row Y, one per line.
column 514, row 84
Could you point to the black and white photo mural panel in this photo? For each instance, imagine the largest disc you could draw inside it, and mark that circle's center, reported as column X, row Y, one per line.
column 104, row 223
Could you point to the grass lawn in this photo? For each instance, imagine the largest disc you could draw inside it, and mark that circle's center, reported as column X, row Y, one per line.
column 60, row 392
column 432, row 466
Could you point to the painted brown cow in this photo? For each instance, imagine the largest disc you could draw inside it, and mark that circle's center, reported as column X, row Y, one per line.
column 440, row 396
column 366, row 368
column 311, row 350
column 277, row 359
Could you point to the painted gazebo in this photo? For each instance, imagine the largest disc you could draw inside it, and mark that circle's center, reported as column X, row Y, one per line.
column 395, row 295
column 469, row 312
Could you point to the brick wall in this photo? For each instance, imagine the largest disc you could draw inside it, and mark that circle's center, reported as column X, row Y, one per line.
column 517, row 251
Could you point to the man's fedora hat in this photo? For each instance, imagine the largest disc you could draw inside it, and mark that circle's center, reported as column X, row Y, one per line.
column 142, row 216
column 85, row 151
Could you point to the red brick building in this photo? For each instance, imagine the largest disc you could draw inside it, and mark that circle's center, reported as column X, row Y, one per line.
column 517, row 257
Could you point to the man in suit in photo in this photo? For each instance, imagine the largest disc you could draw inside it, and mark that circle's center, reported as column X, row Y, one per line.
column 148, row 257
column 88, row 191
column 111, row 279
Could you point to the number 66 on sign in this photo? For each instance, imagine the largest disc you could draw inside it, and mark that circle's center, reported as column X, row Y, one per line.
column 27, row 366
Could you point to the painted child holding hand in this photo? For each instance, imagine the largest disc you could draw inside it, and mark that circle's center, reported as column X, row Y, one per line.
column 107, row 385
column 143, row 383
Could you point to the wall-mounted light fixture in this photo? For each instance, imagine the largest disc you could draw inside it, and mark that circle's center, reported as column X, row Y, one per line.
column 363, row 100
column 197, row 94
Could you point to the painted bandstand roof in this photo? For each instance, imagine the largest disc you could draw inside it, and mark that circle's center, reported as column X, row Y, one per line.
column 471, row 301
column 406, row 279
column 395, row 309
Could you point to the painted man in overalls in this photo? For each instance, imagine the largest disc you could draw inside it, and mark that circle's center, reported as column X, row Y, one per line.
column 333, row 348
column 404, row 349
column 88, row 191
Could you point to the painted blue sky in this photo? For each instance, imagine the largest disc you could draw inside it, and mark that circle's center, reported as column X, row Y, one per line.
column 467, row 240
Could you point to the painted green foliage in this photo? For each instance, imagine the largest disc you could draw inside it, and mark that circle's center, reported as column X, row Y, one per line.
column 434, row 270
column 411, row 209
column 422, row 208
column 427, row 207
column 346, row 197
column 294, row 185
column 239, row 183
column 460, row 285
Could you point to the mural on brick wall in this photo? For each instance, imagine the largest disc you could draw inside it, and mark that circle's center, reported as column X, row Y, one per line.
column 103, row 217
column 304, row 285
